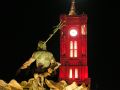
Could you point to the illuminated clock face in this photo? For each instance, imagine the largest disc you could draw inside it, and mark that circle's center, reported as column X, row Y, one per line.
column 73, row 32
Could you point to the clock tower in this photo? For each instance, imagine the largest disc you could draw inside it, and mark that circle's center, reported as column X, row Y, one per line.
column 73, row 47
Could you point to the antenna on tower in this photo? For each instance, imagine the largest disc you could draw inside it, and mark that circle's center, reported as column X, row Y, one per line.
column 72, row 8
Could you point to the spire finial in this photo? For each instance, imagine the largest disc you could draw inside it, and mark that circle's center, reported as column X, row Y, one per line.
column 72, row 8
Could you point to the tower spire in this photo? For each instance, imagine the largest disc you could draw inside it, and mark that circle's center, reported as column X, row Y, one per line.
column 72, row 8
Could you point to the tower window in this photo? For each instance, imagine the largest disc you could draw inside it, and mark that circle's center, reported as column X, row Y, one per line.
column 73, row 48
column 71, row 53
column 71, row 44
column 70, row 73
column 83, row 30
column 76, row 73
column 75, row 53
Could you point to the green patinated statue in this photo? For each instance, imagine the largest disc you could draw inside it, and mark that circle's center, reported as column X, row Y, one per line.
column 43, row 58
column 45, row 62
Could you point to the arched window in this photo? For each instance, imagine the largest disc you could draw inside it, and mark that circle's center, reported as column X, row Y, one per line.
column 83, row 30
column 76, row 73
column 70, row 73
column 73, row 49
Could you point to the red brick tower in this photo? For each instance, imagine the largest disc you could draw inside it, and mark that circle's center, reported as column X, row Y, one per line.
column 73, row 47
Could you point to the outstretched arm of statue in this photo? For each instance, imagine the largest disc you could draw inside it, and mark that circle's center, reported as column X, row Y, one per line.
column 27, row 63
column 57, row 66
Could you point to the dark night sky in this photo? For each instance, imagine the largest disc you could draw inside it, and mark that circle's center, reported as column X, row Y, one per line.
column 22, row 27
